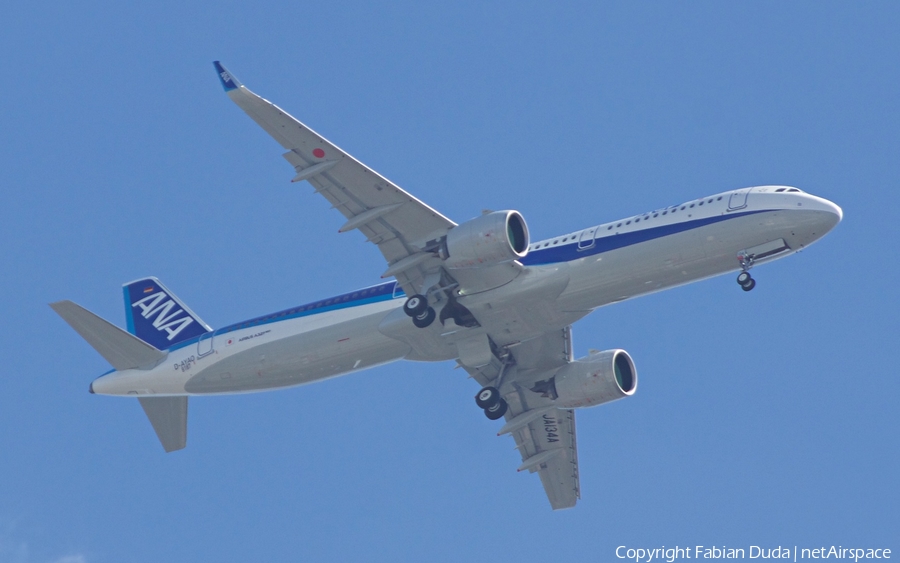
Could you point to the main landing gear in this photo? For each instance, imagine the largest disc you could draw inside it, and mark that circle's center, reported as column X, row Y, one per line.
column 493, row 404
column 417, row 307
column 744, row 279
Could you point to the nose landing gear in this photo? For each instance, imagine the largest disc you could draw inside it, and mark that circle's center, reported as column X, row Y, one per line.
column 744, row 279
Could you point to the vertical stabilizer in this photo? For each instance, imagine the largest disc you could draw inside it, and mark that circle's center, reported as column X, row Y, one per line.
column 168, row 415
column 157, row 317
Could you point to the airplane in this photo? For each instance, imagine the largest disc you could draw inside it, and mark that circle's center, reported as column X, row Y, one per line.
column 479, row 293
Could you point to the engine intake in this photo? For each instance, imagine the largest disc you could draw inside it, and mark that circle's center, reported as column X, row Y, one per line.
column 494, row 238
column 593, row 380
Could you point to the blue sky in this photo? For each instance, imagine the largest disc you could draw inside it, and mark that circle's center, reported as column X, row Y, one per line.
column 765, row 418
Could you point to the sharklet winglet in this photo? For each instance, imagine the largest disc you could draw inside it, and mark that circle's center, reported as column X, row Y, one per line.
column 229, row 82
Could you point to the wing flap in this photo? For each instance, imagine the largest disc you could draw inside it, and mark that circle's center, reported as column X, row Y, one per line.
column 554, row 433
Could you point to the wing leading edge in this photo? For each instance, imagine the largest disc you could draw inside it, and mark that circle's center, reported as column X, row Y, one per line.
column 398, row 223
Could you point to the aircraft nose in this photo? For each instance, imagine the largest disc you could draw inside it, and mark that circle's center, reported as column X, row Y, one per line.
column 839, row 213
column 834, row 212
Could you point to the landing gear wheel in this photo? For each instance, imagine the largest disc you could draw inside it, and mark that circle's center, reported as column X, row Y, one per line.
column 487, row 398
column 415, row 306
column 497, row 411
column 749, row 285
column 744, row 278
column 425, row 319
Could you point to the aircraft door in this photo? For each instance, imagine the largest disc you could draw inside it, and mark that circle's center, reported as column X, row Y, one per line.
column 205, row 344
column 586, row 240
column 738, row 199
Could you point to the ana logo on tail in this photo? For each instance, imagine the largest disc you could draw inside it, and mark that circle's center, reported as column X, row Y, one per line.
column 155, row 315
column 161, row 305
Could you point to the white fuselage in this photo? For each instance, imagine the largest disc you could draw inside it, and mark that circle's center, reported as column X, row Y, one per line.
column 566, row 278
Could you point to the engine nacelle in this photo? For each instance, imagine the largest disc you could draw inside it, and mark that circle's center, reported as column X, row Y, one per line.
column 592, row 380
column 494, row 238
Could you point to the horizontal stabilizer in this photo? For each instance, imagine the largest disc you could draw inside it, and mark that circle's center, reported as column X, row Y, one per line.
column 168, row 415
column 120, row 349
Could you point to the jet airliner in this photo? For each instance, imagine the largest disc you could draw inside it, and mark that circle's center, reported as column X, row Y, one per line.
column 480, row 293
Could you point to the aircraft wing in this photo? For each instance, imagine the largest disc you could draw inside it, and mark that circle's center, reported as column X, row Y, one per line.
column 548, row 447
column 399, row 224
column 544, row 435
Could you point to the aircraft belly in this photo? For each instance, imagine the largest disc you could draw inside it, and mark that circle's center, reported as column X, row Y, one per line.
column 525, row 308
column 300, row 358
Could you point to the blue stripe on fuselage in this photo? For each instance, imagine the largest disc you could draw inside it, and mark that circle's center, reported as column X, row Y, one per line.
column 570, row 251
column 374, row 294
column 550, row 255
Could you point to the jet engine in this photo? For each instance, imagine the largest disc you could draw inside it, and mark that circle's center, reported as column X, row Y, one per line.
column 493, row 238
column 593, row 380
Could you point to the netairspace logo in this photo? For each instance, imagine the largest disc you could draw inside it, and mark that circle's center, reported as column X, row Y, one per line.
column 795, row 553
